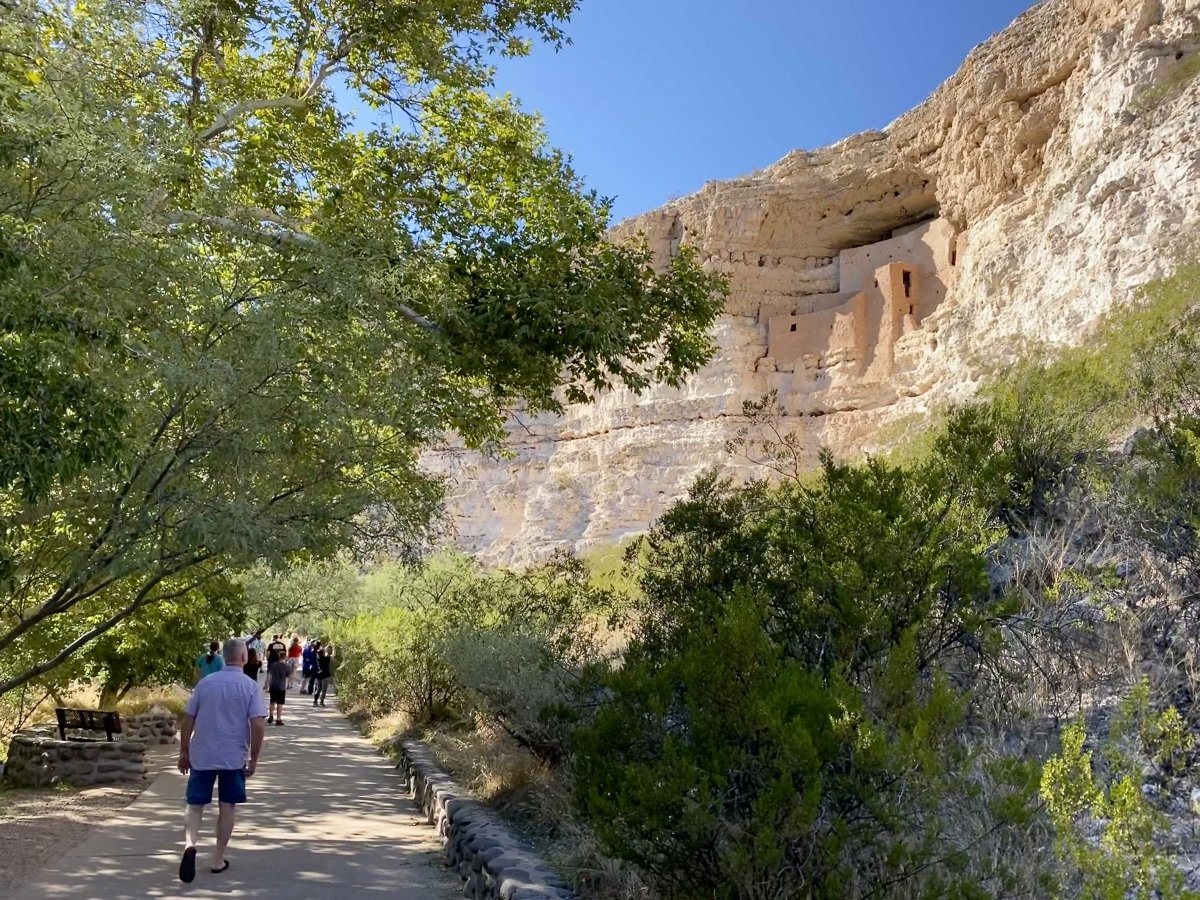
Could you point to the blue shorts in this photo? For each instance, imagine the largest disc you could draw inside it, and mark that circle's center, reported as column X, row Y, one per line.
column 231, row 788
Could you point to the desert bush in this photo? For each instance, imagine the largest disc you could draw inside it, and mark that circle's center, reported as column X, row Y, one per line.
column 1113, row 841
column 785, row 720
column 528, row 648
column 844, row 684
column 391, row 657
column 445, row 641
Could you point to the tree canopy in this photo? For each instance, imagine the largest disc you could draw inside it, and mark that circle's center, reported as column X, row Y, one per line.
column 254, row 256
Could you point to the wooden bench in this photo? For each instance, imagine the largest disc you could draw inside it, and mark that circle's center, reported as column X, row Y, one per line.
column 108, row 721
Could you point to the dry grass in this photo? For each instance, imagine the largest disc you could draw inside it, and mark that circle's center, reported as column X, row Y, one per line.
column 140, row 700
column 533, row 797
column 22, row 712
column 492, row 766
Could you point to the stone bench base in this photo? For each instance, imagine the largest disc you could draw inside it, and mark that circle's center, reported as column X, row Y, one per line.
column 39, row 761
column 37, row 758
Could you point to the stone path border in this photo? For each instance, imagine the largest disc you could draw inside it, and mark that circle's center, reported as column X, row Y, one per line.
column 494, row 864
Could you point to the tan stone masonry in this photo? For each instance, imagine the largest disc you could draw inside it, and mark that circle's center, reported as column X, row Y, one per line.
column 888, row 289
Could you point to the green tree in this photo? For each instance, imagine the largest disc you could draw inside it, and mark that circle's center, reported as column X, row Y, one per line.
column 302, row 598
column 253, row 309
column 160, row 645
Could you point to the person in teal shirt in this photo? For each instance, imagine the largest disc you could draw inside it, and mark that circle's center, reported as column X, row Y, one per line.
column 207, row 663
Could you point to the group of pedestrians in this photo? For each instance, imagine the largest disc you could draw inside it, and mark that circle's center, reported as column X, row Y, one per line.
column 285, row 667
column 317, row 671
column 222, row 732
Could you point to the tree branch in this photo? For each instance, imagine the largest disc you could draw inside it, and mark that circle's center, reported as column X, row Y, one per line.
column 241, row 229
column 226, row 120
column 142, row 598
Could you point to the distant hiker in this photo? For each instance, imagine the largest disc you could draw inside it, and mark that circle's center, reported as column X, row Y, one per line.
column 324, row 674
column 208, row 663
column 315, row 674
column 295, row 651
column 225, row 717
column 253, row 666
column 277, row 681
column 308, row 666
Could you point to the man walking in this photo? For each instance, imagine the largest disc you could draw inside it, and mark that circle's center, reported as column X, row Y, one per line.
column 324, row 674
column 307, row 666
column 225, row 713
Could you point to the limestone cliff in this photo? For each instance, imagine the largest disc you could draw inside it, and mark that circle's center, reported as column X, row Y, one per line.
column 875, row 279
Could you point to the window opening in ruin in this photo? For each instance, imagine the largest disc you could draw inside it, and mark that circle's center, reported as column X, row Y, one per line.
column 907, row 278
column 953, row 256
column 793, row 328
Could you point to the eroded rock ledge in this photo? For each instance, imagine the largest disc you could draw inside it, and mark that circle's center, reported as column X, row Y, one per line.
column 1032, row 193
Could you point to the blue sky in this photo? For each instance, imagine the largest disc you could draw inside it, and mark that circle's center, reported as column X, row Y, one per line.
column 655, row 97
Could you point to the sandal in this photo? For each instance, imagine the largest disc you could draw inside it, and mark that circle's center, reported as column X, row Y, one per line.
column 187, row 866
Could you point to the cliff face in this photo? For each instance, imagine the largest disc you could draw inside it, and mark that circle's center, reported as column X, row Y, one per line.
column 878, row 278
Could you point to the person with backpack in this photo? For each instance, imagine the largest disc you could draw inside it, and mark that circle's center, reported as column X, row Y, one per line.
column 277, row 682
column 207, row 663
column 315, row 675
column 324, row 674
column 253, row 665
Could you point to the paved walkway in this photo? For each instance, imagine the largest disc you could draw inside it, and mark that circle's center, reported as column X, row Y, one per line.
column 325, row 819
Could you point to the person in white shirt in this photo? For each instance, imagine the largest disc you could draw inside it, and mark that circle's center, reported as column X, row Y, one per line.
column 220, row 739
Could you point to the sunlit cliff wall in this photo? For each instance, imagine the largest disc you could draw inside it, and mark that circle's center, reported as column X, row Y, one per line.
column 1034, row 191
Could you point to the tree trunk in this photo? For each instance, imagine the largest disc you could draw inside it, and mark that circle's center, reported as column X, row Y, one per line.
column 110, row 694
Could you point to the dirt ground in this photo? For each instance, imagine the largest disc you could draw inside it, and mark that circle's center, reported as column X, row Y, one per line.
column 38, row 825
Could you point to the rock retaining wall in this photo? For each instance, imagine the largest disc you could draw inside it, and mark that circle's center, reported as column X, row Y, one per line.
column 494, row 864
column 150, row 728
column 35, row 760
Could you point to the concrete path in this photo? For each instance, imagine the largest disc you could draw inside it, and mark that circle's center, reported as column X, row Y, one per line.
column 325, row 819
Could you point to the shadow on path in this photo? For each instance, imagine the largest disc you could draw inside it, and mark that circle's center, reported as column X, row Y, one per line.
column 325, row 818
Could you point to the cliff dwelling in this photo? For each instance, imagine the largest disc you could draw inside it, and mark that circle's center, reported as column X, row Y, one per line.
column 886, row 290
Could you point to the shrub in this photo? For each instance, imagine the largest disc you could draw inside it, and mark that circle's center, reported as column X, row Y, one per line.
column 446, row 640
column 1107, row 832
column 785, row 720
column 527, row 648
column 391, row 657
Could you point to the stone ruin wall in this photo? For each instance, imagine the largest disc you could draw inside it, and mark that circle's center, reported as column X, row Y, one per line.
column 888, row 291
column 1061, row 165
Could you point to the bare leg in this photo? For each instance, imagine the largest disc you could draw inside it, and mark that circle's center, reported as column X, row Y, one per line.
column 191, row 825
column 224, row 832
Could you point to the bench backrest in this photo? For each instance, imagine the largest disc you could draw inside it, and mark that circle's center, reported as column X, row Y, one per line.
column 108, row 721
